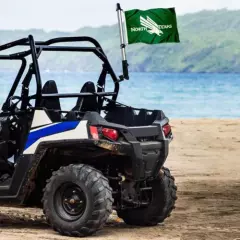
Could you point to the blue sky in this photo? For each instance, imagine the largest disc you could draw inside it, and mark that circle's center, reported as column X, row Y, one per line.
column 69, row 15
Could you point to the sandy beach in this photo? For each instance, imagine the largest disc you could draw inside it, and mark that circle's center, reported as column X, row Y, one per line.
column 205, row 160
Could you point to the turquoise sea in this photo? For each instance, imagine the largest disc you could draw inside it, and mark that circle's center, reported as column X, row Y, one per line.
column 178, row 95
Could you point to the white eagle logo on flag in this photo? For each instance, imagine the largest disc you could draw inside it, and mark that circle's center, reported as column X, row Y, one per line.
column 150, row 24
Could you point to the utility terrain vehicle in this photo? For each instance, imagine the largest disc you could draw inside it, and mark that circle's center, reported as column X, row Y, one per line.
column 101, row 155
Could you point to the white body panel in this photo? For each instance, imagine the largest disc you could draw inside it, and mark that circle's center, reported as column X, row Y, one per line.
column 79, row 131
column 40, row 118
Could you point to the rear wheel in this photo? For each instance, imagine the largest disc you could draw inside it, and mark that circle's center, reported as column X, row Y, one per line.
column 163, row 202
column 77, row 200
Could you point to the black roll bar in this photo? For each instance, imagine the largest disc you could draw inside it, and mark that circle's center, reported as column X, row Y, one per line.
column 18, row 42
column 67, row 39
column 36, row 48
column 97, row 50
column 37, row 71
column 69, row 95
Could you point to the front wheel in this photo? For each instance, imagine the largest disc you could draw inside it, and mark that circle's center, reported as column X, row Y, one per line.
column 77, row 200
column 163, row 202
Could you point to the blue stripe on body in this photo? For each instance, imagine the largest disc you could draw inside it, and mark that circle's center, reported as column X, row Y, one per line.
column 50, row 130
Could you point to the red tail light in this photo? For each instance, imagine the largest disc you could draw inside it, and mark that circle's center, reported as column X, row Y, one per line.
column 110, row 133
column 166, row 129
column 94, row 132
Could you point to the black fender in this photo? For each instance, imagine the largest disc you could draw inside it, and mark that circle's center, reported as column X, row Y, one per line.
column 33, row 160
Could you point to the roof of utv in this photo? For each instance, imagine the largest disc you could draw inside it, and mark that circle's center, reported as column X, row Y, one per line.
column 35, row 50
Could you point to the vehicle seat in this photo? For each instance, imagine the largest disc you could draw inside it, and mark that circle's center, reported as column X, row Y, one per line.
column 51, row 103
column 85, row 104
column 88, row 103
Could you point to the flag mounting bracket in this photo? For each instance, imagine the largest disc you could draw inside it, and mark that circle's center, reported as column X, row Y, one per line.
column 122, row 44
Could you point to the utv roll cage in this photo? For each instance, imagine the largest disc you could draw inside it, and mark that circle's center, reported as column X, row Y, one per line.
column 35, row 50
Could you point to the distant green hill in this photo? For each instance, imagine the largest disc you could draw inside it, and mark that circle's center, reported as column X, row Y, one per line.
column 210, row 42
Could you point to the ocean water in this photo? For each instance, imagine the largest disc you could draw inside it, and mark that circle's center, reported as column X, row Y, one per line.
column 178, row 95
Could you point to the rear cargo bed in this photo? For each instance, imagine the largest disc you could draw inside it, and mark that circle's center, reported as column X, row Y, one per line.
column 130, row 117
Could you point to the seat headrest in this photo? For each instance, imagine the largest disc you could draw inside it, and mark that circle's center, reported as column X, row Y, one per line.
column 90, row 102
column 50, row 87
column 88, row 87
column 51, row 103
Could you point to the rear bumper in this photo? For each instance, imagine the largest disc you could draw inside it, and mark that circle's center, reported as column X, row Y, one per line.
column 147, row 156
column 147, row 146
column 154, row 156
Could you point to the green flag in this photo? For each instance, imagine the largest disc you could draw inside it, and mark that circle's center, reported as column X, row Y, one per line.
column 151, row 26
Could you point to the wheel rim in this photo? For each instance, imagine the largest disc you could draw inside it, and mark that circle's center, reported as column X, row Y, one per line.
column 70, row 202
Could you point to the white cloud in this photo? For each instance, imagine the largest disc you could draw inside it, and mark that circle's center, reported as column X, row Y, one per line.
column 73, row 14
